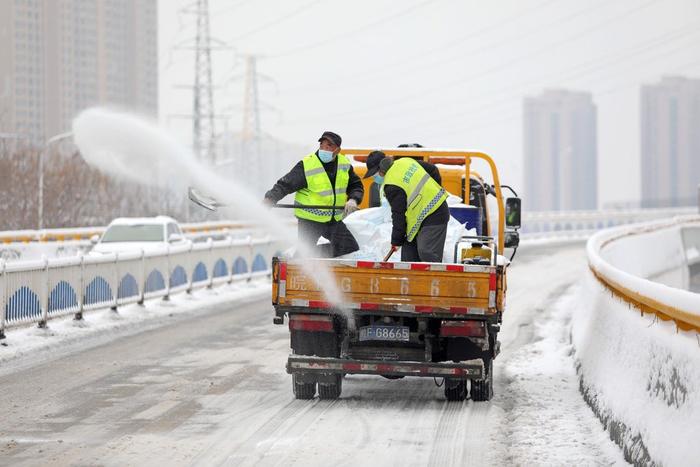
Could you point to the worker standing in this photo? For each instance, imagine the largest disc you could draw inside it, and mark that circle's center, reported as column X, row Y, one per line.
column 323, row 178
column 419, row 211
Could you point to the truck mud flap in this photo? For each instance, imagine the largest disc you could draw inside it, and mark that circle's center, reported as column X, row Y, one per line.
column 472, row 369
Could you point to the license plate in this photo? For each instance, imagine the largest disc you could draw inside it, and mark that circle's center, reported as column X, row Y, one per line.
column 384, row 333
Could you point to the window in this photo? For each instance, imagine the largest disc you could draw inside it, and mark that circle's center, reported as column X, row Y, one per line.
column 173, row 229
column 133, row 233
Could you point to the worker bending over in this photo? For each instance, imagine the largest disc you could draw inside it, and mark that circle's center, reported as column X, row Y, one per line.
column 419, row 211
column 323, row 178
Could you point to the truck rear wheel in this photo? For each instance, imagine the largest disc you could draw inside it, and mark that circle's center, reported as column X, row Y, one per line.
column 303, row 390
column 455, row 389
column 482, row 390
column 331, row 390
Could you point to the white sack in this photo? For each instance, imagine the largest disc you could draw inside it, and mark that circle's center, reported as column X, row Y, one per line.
column 372, row 230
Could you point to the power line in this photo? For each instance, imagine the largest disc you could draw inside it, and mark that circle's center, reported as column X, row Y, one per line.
column 580, row 70
column 389, row 67
column 512, row 117
column 353, row 32
column 281, row 19
column 469, row 78
column 230, row 7
column 479, row 124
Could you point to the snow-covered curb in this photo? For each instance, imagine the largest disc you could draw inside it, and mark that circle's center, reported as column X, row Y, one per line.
column 640, row 375
column 629, row 256
column 101, row 326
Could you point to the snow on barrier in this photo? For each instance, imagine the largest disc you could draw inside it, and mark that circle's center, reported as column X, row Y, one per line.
column 22, row 245
column 193, row 229
column 637, row 339
column 36, row 291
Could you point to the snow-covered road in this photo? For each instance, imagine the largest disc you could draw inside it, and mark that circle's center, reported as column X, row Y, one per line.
column 212, row 390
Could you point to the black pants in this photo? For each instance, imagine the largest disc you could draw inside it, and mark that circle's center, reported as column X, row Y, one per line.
column 342, row 241
column 426, row 246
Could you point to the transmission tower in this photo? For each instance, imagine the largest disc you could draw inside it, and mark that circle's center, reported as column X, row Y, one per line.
column 203, row 116
column 251, row 106
column 203, row 131
column 250, row 134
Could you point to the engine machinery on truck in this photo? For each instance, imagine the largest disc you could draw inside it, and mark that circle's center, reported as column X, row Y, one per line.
column 401, row 319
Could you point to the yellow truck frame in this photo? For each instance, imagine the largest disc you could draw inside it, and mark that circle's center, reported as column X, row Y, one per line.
column 455, row 168
column 398, row 319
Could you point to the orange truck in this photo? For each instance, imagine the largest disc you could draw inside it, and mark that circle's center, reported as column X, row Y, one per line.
column 398, row 319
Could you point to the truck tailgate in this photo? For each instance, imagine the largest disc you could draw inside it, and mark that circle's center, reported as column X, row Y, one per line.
column 370, row 285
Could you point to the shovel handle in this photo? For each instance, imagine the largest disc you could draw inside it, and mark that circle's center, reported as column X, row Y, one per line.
column 311, row 206
column 388, row 255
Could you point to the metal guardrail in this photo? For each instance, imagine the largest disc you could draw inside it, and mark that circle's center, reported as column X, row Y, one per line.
column 682, row 307
column 84, row 233
column 559, row 222
column 37, row 291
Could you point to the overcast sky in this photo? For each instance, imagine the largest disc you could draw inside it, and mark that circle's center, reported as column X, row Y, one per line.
column 440, row 72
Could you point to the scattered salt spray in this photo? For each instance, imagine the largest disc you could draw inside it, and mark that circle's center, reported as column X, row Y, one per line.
column 135, row 148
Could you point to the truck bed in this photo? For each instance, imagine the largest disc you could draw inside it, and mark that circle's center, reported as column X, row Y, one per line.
column 431, row 288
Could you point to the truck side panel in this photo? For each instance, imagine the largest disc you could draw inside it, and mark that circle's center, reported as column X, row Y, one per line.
column 395, row 286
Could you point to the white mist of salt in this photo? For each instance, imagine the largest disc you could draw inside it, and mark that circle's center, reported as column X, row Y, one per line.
column 128, row 146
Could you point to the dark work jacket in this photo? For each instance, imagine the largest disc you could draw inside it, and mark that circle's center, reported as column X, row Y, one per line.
column 295, row 180
column 397, row 200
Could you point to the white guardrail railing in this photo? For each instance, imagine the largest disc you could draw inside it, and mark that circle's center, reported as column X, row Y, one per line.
column 627, row 259
column 582, row 224
column 37, row 291
column 192, row 230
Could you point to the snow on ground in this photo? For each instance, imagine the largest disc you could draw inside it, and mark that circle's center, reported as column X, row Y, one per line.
column 642, row 375
column 548, row 423
column 213, row 391
column 101, row 326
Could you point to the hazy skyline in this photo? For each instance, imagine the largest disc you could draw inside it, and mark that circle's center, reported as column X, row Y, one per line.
column 446, row 74
column 560, row 152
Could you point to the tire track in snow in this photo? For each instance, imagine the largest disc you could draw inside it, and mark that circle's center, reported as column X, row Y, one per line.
column 447, row 443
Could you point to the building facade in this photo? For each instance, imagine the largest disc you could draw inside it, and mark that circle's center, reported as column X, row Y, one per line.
column 670, row 142
column 560, row 151
column 58, row 57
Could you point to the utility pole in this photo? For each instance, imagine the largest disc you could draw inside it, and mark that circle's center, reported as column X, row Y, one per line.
column 203, row 116
column 250, row 134
column 203, row 131
column 251, row 107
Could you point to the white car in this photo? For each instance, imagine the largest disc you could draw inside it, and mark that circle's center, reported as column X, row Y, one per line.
column 139, row 233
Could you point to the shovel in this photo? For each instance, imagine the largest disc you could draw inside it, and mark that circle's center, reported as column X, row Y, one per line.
column 210, row 203
column 388, row 255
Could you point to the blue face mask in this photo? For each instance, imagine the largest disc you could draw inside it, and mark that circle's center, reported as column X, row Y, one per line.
column 325, row 156
column 378, row 179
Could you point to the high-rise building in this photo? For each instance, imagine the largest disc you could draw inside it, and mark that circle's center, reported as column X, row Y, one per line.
column 58, row 57
column 560, row 151
column 670, row 142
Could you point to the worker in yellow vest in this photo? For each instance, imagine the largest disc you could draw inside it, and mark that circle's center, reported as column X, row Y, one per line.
column 323, row 178
column 419, row 211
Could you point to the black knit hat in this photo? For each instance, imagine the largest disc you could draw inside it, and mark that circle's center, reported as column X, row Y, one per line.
column 373, row 160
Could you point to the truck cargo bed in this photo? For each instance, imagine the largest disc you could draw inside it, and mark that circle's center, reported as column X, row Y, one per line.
column 454, row 289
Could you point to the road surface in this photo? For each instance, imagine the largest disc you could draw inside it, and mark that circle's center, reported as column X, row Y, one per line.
column 212, row 390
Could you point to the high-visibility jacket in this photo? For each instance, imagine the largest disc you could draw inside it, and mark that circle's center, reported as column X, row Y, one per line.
column 320, row 192
column 423, row 194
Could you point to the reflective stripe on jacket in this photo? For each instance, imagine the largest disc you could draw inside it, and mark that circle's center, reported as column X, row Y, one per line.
column 320, row 192
column 423, row 194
